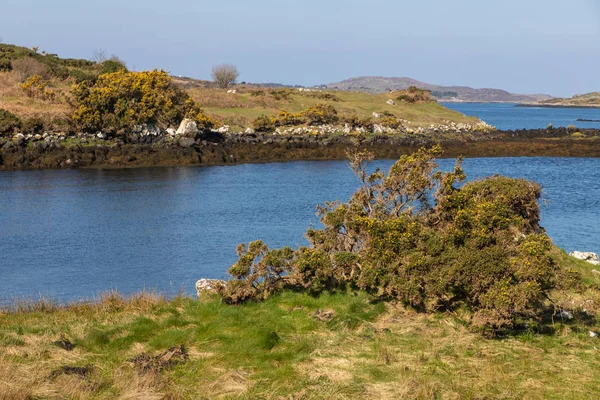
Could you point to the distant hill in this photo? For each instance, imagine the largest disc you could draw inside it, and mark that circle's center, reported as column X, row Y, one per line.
column 379, row 84
column 579, row 100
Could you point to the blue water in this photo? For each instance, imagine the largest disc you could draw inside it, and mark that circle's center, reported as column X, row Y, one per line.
column 509, row 116
column 76, row 233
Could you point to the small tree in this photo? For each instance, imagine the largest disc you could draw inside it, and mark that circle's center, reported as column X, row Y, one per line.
column 225, row 75
column 99, row 56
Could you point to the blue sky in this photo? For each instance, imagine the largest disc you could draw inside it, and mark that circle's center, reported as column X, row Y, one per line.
column 524, row 46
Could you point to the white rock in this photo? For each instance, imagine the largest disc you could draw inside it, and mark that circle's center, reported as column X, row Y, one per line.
column 223, row 129
column 249, row 130
column 208, row 285
column 376, row 114
column 390, row 102
column 593, row 334
column 232, row 91
column 101, row 135
column 565, row 314
column 592, row 258
column 188, row 128
column 172, row 131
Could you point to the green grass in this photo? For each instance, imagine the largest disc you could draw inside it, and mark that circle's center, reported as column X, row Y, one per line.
column 277, row 349
column 241, row 108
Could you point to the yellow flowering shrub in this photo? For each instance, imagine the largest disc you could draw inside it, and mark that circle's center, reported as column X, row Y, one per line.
column 414, row 235
column 36, row 86
column 320, row 114
column 117, row 101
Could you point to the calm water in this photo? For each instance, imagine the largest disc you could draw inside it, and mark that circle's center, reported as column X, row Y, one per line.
column 73, row 234
column 508, row 116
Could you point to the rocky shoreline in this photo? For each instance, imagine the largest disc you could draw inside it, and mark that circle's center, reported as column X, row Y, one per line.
column 144, row 149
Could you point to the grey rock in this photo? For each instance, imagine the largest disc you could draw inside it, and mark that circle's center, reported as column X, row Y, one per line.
column 188, row 128
column 187, row 142
column 204, row 286
column 564, row 314
column 592, row 258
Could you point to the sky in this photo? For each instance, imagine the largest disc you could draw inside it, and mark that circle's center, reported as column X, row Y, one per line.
column 523, row 46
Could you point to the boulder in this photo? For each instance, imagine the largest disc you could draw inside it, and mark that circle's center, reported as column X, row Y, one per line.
column 188, row 128
column 592, row 258
column 187, row 142
column 204, row 286
column 171, row 131
column 390, row 102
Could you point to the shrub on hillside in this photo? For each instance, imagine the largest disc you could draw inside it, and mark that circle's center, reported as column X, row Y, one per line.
column 37, row 87
column 354, row 121
column 110, row 66
column 415, row 95
column 414, row 235
column 5, row 65
column 120, row 100
column 264, row 123
column 27, row 67
column 9, row 122
column 390, row 122
column 33, row 125
column 285, row 118
column 320, row 114
column 83, row 76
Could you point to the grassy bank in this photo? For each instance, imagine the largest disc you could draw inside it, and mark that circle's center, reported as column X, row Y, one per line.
column 293, row 346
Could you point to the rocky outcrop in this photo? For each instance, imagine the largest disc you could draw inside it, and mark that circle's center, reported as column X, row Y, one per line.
column 592, row 258
column 188, row 128
column 204, row 286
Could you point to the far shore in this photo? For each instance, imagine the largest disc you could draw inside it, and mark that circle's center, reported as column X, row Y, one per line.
column 240, row 148
column 557, row 105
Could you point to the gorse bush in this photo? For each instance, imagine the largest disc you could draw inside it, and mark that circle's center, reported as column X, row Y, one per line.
column 415, row 236
column 264, row 123
column 415, row 95
column 320, row 114
column 120, row 100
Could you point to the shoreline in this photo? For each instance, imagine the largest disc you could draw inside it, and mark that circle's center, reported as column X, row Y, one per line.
column 230, row 149
column 559, row 105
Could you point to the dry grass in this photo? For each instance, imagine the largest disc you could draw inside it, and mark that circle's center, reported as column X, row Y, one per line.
column 367, row 351
column 13, row 99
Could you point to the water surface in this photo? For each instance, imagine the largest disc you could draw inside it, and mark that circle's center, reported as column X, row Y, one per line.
column 509, row 116
column 72, row 234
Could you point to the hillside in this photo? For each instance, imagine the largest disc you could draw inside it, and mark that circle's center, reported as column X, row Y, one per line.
column 579, row 100
column 377, row 84
column 36, row 87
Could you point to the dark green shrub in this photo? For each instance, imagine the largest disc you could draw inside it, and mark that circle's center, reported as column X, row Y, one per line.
column 33, row 125
column 415, row 95
column 80, row 76
column 110, row 66
column 9, row 122
column 5, row 65
column 358, row 122
column 415, row 236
